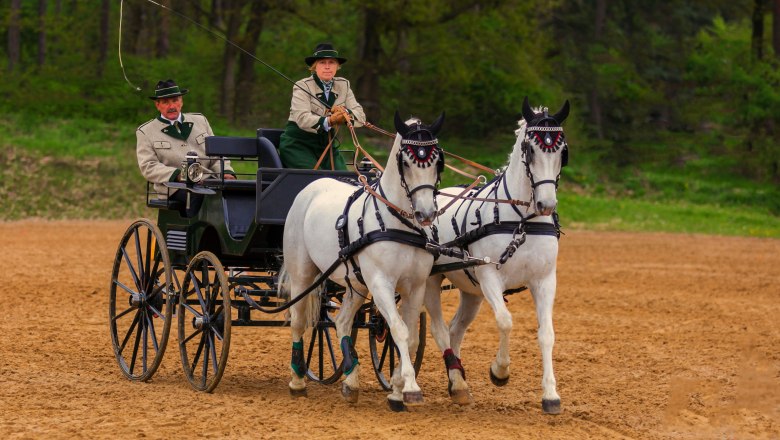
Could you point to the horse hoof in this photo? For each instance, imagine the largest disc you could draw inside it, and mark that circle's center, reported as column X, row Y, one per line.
column 551, row 406
column 350, row 395
column 396, row 405
column 461, row 397
column 298, row 393
column 413, row 398
column 497, row 381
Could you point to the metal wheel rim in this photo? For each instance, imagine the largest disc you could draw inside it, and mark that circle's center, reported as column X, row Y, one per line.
column 384, row 358
column 204, row 295
column 147, row 297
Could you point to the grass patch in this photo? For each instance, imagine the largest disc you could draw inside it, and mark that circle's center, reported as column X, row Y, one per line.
column 86, row 168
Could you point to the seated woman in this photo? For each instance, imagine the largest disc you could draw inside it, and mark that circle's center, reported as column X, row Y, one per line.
column 310, row 127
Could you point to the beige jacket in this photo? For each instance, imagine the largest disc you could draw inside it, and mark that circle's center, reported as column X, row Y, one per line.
column 308, row 112
column 160, row 155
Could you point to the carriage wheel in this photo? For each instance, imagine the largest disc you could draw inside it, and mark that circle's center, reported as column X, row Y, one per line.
column 380, row 341
column 204, row 321
column 140, row 300
column 323, row 354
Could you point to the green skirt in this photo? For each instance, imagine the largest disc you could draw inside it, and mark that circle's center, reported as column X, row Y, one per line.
column 301, row 149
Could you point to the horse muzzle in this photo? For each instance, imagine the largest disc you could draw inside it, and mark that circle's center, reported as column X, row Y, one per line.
column 546, row 207
column 425, row 218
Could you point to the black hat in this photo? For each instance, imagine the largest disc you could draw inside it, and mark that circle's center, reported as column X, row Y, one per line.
column 167, row 89
column 322, row 51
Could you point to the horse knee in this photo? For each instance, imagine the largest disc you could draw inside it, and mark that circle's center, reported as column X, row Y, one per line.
column 504, row 322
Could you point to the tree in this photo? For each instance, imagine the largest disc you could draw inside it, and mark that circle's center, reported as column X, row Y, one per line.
column 757, row 41
column 14, row 43
column 105, row 10
column 41, row 32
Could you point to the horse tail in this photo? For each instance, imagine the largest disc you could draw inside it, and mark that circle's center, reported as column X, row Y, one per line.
column 312, row 302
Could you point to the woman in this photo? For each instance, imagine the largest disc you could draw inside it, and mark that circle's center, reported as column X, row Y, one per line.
column 311, row 124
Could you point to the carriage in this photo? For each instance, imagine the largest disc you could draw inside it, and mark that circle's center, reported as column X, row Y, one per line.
column 220, row 269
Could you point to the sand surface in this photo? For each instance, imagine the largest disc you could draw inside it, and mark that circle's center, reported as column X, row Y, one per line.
column 657, row 336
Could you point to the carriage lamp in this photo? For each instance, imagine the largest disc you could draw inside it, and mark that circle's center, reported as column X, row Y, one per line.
column 191, row 170
column 365, row 165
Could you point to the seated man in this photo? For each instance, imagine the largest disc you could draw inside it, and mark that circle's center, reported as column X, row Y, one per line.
column 163, row 143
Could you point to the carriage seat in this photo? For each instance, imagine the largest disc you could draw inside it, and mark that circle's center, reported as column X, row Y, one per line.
column 245, row 147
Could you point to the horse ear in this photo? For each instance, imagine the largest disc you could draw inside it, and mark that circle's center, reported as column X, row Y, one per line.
column 436, row 126
column 400, row 127
column 563, row 113
column 528, row 113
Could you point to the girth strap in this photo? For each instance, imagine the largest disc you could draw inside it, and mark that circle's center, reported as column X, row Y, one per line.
column 531, row 228
column 395, row 235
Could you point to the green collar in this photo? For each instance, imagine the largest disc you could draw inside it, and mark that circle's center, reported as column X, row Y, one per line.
column 182, row 132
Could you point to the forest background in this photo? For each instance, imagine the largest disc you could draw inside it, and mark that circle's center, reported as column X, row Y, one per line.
column 675, row 104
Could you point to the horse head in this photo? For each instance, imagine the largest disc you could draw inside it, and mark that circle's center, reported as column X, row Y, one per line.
column 544, row 152
column 420, row 162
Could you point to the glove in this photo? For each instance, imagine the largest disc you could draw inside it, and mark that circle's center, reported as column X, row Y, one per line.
column 338, row 116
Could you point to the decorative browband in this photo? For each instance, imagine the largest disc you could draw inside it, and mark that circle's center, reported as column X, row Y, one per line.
column 544, row 129
column 420, row 143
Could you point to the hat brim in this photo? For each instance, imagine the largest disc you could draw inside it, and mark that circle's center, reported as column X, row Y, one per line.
column 170, row 95
column 311, row 60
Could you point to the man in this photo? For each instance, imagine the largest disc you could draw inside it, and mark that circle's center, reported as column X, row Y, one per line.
column 163, row 143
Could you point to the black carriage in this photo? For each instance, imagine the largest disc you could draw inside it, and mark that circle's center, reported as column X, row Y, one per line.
column 214, row 271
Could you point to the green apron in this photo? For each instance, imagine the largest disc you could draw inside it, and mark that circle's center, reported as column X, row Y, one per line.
column 301, row 149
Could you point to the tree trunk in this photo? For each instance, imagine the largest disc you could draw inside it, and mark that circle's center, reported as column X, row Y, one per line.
column 369, row 57
column 245, row 94
column 594, row 103
column 41, row 32
column 163, row 36
column 776, row 28
column 232, row 11
column 105, row 10
column 14, row 49
column 757, row 40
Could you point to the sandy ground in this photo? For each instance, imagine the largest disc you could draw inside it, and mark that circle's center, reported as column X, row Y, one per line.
column 658, row 336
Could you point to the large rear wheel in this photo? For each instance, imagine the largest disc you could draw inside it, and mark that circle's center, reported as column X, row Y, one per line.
column 140, row 300
column 204, row 318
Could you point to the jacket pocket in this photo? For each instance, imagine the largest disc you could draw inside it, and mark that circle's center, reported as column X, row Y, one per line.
column 161, row 144
column 201, row 138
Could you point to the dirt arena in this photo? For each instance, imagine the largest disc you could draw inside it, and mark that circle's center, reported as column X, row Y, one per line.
column 657, row 336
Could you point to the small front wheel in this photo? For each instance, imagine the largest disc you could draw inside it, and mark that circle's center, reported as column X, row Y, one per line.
column 384, row 353
column 204, row 318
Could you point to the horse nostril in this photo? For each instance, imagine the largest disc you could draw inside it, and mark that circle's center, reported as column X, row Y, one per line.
column 539, row 206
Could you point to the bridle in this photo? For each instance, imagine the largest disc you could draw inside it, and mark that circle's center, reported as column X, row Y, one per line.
column 420, row 147
column 549, row 134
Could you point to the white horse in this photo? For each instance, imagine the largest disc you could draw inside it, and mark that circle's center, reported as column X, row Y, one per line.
column 488, row 228
column 387, row 265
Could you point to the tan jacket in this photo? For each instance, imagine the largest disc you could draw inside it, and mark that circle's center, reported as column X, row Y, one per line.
column 308, row 113
column 160, row 155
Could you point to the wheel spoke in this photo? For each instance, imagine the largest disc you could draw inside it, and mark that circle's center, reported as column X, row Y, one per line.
column 193, row 311
column 197, row 353
column 196, row 285
column 135, row 349
column 326, row 330
column 153, row 278
column 125, row 288
column 156, row 312
column 132, row 270
column 204, row 274
column 141, row 275
column 129, row 333
column 384, row 355
column 206, row 353
column 150, row 324
column 129, row 309
column 145, row 344
column 311, row 345
column 321, row 358
column 149, row 258
column 213, row 344
column 188, row 338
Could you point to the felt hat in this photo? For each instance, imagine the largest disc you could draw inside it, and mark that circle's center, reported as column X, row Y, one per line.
column 322, row 51
column 167, row 89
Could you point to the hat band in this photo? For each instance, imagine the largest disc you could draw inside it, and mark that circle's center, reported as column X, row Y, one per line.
column 326, row 54
column 168, row 91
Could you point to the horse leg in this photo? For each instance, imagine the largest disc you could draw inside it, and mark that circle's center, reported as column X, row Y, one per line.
column 464, row 316
column 544, row 296
column 301, row 276
column 405, row 388
column 493, row 290
column 456, row 384
column 350, row 387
